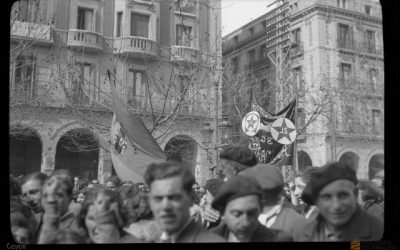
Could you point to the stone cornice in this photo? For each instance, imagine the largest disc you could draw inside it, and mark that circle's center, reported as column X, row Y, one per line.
column 330, row 9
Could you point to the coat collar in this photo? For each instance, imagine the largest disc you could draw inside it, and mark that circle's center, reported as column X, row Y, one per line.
column 357, row 227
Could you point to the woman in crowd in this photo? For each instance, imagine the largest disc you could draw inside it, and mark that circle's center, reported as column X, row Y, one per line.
column 142, row 224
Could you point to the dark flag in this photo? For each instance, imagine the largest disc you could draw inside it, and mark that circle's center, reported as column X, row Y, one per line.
column 264, row 146
column 133, row 147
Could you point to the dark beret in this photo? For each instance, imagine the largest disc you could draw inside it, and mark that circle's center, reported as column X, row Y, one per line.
column 242, row 155
column 235, row 187
column 268, row 176
column 213, row 185
column 322, row 176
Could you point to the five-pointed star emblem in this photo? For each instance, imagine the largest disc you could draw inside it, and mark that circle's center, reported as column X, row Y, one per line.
column 251, row 123
column 284, row 131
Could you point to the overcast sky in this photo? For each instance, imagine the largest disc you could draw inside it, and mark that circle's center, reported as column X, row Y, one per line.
column 236, row 13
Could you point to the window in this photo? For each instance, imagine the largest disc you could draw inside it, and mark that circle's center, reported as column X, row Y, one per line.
column 367, row 9
column 235, row 65
column 263, row 51
column 28, row 10
column 85, row 19
column 24, row 82
column 84, row 87
column 119, row 24
column 296, row 36
column 376, row 121
column 251, row 31
column 184, row 90
column 345, row 73
column 370, row 41
column 298, row 78
column 264, row 25
column 184, row 35
column 373, row 78
column 342, row 4
column 301, row 118
column 236, row 39
column 344, row 36
column 136, row 88
column 348, row 115
column 265, row 93
column 186, row 6
column 140, row 25
column 252, row 56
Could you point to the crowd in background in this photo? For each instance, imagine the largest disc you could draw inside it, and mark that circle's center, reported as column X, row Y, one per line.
column 250, row 202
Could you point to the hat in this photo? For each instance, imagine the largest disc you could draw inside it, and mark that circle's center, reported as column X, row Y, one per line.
column 321, row 177
column 213, row 185
column 242, row 155
column 235, row 187
column 268, row 176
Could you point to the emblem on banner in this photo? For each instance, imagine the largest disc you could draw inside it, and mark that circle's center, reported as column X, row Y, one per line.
column 283, row 131
column 251, row 123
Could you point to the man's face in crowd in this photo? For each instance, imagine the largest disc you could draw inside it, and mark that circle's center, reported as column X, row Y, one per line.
column 170, row 203
column 241, row 216
column 226, row 169
column 110, row 185
column 32, row 193
column 299, row 187
column 337, row 202
column 55, row 197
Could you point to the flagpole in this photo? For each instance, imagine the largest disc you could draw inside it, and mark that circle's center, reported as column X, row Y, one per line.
column 296, row 164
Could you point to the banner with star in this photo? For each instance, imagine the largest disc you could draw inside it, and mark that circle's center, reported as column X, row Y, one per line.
column 133, row 147
column 268, row 149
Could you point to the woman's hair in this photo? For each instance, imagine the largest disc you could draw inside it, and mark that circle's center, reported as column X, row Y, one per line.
column 138, row 208
column 21, row 216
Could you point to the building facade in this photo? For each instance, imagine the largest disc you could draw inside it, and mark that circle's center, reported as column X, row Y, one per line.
column 336, row 69
column 160, row 55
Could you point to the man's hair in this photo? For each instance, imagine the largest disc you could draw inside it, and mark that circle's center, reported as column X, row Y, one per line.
column 272, row 197
column 305, row 174
column 36, row 176
column 64, row 180
column 159, row 171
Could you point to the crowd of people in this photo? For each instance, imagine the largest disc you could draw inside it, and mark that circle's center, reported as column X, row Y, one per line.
column 248, row 202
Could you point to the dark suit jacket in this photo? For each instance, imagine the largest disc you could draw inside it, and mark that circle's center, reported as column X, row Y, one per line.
column 262, row 234
column 362, row 226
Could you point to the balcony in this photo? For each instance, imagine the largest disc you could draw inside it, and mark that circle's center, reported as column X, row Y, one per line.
column 182, row 8
column 136, row 47
column 38, row 33
column 184, row 54
column 84, row 39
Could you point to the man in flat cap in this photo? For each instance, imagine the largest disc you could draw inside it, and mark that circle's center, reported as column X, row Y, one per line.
column 275, row 213
column 333, row 189
column 239, row 201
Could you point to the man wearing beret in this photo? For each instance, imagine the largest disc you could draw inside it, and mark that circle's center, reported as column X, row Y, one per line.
column 275, row 214
column 332, row 188
column 232, row 161
column 239, row 201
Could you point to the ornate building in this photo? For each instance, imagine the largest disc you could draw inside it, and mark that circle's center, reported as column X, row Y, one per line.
column 166, row 59
column 335, row 55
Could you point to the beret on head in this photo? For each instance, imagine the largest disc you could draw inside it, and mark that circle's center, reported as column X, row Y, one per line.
column 235, row 187
column 213, row 185
column 322, row 176
column 242, row 155
column 268, row 176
